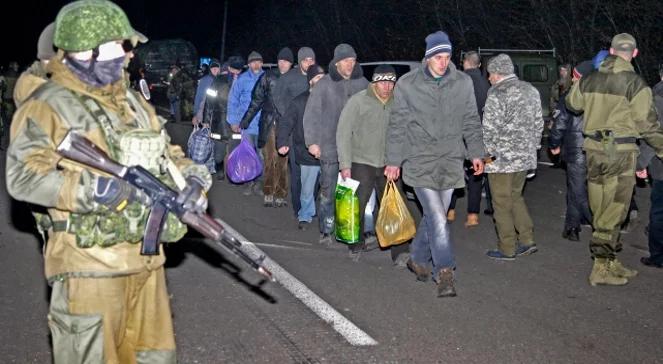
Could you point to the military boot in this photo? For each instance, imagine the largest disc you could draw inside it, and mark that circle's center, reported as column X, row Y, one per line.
column 421, row 272
column 445, row 283
column 618, row 269
column 601, row 274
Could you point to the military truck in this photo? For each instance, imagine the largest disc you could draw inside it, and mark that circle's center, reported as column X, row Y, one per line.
column 536, row 66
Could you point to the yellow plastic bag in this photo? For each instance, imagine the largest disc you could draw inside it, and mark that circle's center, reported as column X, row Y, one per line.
column 395, row 225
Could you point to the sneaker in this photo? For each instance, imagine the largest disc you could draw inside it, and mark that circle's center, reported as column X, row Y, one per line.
column 268, row 201
column 401, row 260
column 370, row 243
column 523, row 250
column 257, row 189
column 303, row 225
column 531, row 173
column 497, row 255
column 248, row 190
column 488, row 212
column 326, row 239
column 650, row 263
column 280, row 202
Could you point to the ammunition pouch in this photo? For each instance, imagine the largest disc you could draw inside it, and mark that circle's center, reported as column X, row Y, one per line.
column 111, row 228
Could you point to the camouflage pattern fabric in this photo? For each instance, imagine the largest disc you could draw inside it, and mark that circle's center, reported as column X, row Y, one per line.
column 512, row 125
column 85, row 24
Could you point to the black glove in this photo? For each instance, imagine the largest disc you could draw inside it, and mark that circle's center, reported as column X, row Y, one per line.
column 116, row 194
column 193, row 197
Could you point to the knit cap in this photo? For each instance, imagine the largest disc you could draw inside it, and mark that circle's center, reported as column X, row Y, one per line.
column 254, row 56
column 437, row 42
column 343, row 51
column 501, row 64
column 286, row 55
column 305, row 52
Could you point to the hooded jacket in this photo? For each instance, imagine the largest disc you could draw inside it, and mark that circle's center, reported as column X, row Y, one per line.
column 616, row 98
column 324, row 107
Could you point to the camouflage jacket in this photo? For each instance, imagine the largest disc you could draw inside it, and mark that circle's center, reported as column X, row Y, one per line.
column 512, row 125
column 35, row 173
column 616, row 98
column 29, row 81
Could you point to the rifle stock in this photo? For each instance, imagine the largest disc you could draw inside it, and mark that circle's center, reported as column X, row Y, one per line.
column 164, row 199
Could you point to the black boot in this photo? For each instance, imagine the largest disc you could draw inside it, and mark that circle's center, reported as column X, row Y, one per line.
column 572, row 234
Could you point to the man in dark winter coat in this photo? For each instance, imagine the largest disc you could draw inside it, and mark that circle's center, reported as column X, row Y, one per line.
column 434, row 110
column 648, row 159
column 567, row 132
column 291, row 128
column 471, row 66
column 264, row 97
column 323, row 109
column 291, row 85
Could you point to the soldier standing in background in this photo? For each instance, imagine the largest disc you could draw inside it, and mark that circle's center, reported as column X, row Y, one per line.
column 619, row 109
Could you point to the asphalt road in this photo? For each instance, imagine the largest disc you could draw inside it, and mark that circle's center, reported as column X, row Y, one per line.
column 537, row 309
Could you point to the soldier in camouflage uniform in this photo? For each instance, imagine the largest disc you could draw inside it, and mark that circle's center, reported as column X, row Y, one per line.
column 109, row 304
column 619, row 109
column 512, row 127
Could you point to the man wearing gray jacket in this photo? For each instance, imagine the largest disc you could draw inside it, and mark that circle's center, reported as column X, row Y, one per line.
column 323, row 108
column 434, row 110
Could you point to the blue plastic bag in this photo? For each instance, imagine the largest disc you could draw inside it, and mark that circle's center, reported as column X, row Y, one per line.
column 200, row 146
column 243, row 165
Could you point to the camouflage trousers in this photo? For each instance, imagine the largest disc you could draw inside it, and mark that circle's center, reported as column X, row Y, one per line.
column 124, row 319
column 610, row 184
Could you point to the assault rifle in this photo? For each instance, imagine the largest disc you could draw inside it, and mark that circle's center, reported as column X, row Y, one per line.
column 163, row 200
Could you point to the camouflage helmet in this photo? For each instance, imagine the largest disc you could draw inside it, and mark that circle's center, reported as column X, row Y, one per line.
column 85, row 24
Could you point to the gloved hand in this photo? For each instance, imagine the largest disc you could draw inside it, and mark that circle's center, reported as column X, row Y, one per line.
column 116, row 194
column 193, row 196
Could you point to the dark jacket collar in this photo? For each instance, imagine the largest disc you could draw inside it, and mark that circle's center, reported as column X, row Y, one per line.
column 357, row 72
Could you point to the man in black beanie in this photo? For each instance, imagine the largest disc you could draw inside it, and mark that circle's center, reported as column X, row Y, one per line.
column 291, row 133
column 291, row 85
column 263, row 97
column 323, row 109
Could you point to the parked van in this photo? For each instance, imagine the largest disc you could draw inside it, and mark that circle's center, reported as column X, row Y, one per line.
column 536, row 66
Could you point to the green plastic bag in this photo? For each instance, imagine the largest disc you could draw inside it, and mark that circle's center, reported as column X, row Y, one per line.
column 347, row 212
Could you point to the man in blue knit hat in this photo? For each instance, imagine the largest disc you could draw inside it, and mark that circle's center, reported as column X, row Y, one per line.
column 433, row 111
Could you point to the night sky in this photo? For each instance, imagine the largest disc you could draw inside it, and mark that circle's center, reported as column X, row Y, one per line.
column 379, row 30
column 199, row 21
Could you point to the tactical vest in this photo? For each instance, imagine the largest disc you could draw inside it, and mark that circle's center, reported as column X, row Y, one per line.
column 131, row 144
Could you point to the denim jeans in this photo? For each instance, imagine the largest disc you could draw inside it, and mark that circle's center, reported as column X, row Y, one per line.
column 433, row 240
column 295, row 178
column 327, row 201
column 577, row 202
column 656, row 222
column 309, row 177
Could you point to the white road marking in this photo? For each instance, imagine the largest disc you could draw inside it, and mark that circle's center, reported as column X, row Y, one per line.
column 276, row 245
column 546, row 163
column 353, row 334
